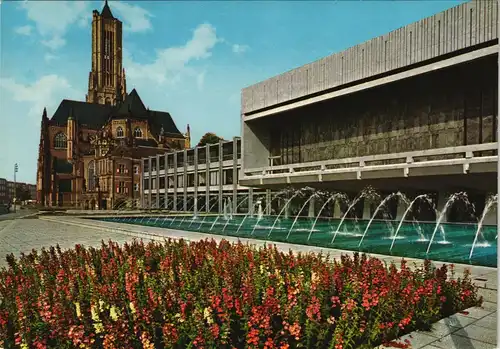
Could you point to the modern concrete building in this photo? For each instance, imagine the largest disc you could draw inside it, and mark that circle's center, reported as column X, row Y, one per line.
column 414, row 110
column 187, row 180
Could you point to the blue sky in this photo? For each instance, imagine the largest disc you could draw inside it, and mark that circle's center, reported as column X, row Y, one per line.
column 186, row 57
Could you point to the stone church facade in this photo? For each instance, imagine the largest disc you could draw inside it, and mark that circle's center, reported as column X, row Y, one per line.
column 90, row 152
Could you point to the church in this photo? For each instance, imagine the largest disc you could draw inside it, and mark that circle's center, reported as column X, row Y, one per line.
column 90, row 152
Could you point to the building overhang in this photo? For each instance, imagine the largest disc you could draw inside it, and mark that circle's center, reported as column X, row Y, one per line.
column 469, row 159
column 460, row 59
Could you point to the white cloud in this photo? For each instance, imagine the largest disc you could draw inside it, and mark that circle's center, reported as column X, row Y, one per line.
column 53, row 18
column 200, row 81
column 240, row 48
column 24, row 30
column 172, row 63
column 54, row 43
column 135, row 18
column 48, row 92
column 50, row 57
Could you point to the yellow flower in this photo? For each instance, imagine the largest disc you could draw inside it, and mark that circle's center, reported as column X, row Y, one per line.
column 78, row 311
column 207, row 314
column 98, row 327
column 101, row 305
column 262, row 269
column 314, row 277
column 113, row 313
column 24, row 346
column 94, row 313
column 132, row 308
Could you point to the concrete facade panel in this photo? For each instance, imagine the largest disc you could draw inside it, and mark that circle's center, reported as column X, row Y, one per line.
column 436, row 170
column 271, row 91
column 483, row 168
column 339, row 176
column 465, row 25
column 382, row 174
column 304, row 179
column 284, row 87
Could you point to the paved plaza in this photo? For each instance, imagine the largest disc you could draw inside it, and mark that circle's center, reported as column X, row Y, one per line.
column 23, row 235
column 475, row 328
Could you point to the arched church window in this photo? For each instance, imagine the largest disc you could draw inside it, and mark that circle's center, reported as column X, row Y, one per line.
column 91, row 176
column 60, row 141
column 119, row 132
column 108, row 101
column 137, row 132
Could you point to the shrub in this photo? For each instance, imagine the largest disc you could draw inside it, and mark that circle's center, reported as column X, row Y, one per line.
column 209, row 295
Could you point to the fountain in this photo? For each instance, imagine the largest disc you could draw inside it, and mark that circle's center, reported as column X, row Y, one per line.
column 332, row 197
column 285, row 207
column 382, row 203
column 489, row 204
column 367, row 193
column 379, row 235
column 209, row 210
column 449, row 202
column 268, row 204
column 230, row 209
column 316, row 194
column 259, row 215
column 408, row 209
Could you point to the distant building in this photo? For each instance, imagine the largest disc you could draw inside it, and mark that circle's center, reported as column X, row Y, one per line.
column 4, row 193
column 89, row 151
column 11, row 191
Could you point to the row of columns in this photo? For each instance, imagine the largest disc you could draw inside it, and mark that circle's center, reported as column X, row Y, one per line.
column 155, row 175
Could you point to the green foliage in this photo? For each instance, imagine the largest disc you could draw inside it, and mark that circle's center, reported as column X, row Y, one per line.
column 209, row 138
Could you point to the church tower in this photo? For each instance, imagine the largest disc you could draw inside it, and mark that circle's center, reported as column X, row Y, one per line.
column 107, row 78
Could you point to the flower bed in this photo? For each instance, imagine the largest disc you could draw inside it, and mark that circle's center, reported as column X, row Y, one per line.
column 205, row 295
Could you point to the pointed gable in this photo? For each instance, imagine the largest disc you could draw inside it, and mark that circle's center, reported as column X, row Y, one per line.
column 132, row 105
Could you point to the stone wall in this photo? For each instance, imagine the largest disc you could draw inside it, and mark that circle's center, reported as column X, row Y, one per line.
column 451, row 107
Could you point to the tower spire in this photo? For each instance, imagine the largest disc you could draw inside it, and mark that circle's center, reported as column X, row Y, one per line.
column 106, row 11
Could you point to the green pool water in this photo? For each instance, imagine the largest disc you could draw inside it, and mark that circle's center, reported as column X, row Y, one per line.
column 452, row 242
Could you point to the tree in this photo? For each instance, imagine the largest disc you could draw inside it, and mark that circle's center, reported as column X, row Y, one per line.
column 209, row 138
column 22, row 193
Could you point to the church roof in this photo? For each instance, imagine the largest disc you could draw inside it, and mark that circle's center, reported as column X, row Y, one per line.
column 95, row 116
column 90, row 114
column 106, row 11
column 132, row 105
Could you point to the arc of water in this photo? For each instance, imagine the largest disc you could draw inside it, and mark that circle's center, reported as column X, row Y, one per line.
column 283, row 209
column 213, row 224
column 225, row 225
column 382, row 203
column 209, row 209
column 353, row 203
column 300, row 211
column 201, row 209
column 267, row 205
column 333, row 196
column 408, row 209
column 184, row 217
column 450, row 201
column 244, row 218
column 493, row 200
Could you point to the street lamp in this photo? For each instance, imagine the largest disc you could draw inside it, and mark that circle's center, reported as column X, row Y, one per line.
column 16, row 168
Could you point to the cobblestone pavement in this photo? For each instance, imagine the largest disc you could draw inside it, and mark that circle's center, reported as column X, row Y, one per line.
column 23, row 235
